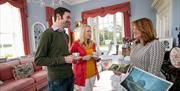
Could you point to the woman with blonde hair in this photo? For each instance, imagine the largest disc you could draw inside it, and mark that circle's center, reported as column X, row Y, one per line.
column 147, row 52
column 85, row 68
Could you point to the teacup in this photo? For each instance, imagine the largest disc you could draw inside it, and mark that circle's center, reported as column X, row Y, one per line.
column 75, row 55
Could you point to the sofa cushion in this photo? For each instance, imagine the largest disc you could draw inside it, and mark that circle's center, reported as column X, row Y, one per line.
column 30, row 60
column 16, row 85
column 6, row 70
column 41, row 84
column 23, row 70
column 39, row 75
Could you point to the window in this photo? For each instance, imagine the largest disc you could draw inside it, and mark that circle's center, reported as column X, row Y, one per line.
column 107, row 30
column 11, row 39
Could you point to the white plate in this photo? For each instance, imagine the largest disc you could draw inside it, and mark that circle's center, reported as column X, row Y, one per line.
column 175, row 57
column 95, row 56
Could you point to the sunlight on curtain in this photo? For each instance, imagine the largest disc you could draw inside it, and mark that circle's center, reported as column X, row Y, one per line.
column 11, row 39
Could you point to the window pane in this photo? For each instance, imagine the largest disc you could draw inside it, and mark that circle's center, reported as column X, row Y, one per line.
column 109, row 30
column 119, row 18
column 119, row 27
column 11, row 40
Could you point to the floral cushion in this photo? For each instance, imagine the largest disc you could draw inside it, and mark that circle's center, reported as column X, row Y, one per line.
column 23, row 70
column 30, row 59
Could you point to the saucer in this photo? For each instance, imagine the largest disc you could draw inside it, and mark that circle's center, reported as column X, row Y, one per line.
column 77, row 58
column 95, row 56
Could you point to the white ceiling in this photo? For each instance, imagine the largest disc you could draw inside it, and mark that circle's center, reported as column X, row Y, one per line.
column 74, row 2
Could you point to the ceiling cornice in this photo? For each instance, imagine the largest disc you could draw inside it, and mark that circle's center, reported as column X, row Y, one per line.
column 74, row 2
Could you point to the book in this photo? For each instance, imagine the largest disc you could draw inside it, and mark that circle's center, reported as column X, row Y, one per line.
column 120, row 68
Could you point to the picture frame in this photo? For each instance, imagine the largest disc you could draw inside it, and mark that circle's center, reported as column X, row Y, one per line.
column 140, row 80
column 37, row 29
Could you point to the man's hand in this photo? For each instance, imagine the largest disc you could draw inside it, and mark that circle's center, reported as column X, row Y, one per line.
column 68, row 59
column 87, row 57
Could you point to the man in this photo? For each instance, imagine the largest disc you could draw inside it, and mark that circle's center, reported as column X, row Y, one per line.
column 53, row 52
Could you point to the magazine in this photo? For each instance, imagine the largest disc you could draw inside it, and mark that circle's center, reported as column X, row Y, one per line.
column 121, row 68
column 140, row 80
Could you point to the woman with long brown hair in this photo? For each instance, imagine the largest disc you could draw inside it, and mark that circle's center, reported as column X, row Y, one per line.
column 147, row 52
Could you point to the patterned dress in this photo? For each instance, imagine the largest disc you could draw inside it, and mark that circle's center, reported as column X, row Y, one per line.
column 149, row 57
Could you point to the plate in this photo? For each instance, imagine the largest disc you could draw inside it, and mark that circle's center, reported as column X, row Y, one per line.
column 95, row 56
column 175, row 57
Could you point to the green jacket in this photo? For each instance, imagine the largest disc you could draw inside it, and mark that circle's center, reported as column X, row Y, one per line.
column 52, row 48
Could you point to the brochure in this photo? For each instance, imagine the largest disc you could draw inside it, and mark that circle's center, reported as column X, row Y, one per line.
column 140, row 80
column 121, row 68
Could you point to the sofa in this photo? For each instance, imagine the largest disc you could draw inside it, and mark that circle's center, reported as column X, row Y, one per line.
column 34, row 82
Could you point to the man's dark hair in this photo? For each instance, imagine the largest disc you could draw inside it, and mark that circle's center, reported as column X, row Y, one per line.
column 61, row 11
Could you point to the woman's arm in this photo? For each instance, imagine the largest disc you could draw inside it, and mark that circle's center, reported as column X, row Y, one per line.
column 157, row 52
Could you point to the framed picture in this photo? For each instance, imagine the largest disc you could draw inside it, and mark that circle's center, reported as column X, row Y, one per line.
column 139, row 80
column 168, row 42
column 37, row 29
